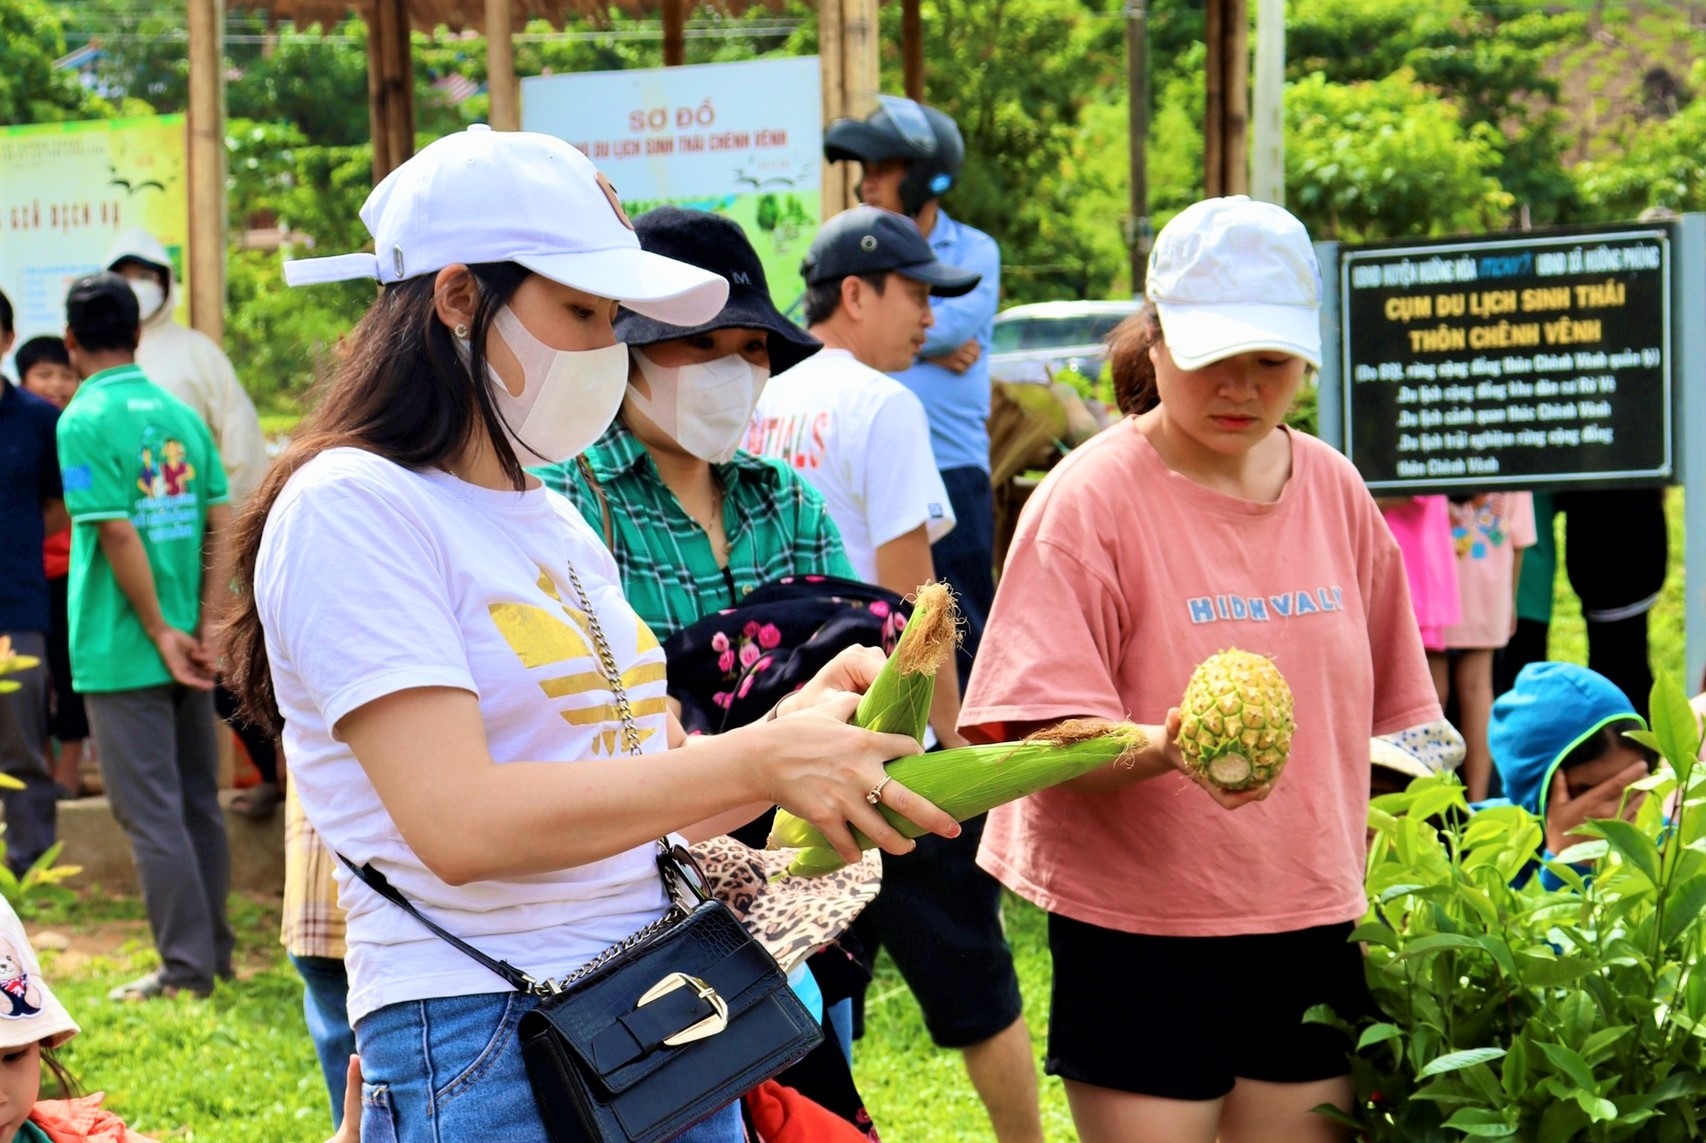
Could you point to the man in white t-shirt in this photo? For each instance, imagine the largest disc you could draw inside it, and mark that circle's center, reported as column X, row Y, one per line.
column 862, row 439
column 855, row 434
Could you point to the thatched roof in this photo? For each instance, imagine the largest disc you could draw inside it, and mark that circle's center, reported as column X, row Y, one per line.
column 429, row 14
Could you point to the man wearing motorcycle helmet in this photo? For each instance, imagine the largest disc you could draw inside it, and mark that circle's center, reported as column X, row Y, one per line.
column 910, row 156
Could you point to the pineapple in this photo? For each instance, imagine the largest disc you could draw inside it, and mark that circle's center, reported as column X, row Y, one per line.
column 1236, row 720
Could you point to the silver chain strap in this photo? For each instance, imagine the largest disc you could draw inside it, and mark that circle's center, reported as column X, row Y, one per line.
column 612, row 672
column 607, row 663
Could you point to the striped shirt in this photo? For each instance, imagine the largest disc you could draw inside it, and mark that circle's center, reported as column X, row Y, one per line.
column 775, row 523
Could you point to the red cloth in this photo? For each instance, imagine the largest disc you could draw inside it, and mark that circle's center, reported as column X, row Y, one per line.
column 82, row 1121
column 56, row 554
column 782, row 1115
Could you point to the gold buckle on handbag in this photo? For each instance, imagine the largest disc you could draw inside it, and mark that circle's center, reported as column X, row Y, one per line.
column 704, row 1029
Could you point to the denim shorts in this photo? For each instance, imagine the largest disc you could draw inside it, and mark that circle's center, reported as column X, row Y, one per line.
column 450, row 1070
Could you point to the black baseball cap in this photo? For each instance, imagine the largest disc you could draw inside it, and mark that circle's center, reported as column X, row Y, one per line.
column 869, row 240
column 99, row 298
column 712, row 242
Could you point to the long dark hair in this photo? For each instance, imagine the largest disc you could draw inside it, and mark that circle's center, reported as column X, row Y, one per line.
column 401, row 390
column 1128, row 357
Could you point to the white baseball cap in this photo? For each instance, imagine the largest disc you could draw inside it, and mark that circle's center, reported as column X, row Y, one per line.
column 29, row 1012
column 1232, row 275
column 516, row 196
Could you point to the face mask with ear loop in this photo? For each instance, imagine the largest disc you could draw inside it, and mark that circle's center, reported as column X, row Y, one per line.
column 150, row 296
column 568, row 397
column 704, row 407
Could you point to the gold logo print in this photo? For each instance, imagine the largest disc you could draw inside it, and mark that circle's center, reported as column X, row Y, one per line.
column 540, row 638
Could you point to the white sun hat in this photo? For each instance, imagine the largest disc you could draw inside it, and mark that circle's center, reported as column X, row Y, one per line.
column 1232, row 275
column 516, row 196
column 29, row 1011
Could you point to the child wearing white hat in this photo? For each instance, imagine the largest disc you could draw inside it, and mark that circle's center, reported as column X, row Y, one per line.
column 33, row 1024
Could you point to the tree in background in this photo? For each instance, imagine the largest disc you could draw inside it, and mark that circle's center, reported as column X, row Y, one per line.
column 1402, row 119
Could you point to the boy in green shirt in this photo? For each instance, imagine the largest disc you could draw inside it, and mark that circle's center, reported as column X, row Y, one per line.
column 146, row 492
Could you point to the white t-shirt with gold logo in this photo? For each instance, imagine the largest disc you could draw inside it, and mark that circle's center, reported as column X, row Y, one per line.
column 373, row 578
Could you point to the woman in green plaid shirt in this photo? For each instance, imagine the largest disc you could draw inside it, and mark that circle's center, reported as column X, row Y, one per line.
column 696, row 523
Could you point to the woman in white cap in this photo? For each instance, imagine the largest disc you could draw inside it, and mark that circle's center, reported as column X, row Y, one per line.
column 1188, row 941
column 445, row 645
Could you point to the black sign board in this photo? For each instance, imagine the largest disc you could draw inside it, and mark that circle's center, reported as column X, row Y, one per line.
column 1529, row 361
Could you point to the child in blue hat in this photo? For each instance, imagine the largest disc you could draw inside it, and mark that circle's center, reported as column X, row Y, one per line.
column 1557, row 738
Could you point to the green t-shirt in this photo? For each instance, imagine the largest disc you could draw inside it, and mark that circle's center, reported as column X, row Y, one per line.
column 30, row 1133
column 129, row 450
column 1539, row 565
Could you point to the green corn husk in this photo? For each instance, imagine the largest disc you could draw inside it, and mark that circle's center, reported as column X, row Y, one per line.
column 973, row 780
column 898, row 701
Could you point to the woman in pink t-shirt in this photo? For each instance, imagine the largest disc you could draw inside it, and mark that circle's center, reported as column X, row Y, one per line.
column 1190, row 928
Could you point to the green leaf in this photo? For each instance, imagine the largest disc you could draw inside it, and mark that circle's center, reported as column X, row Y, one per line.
column 1375, row 933
column 1454, row 1061
column 1573, row 1067
column 1560, row 1123
column 1513, row 1075
column 1674, row 723
column 1378, row 1034
column 1583, row 851
column 1682, row 908
column 1599, row 1109
column 1480, row 1122
column 1634, row 846
column 1646, row 738
column 1438, row 942
column 1324, row 1014
column 1603, row 1039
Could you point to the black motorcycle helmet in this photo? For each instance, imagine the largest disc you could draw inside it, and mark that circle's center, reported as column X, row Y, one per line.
column 925, row 138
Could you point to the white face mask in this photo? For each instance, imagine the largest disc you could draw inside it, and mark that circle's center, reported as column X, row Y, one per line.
column 704, row 407
column 568, row 397
column 150, row 296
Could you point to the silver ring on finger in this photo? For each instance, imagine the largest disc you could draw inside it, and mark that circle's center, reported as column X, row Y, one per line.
column 875, row 794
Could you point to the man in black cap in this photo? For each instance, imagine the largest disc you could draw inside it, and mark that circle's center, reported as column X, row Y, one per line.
column 909, row 157
column 862, row 439
column 146, row 491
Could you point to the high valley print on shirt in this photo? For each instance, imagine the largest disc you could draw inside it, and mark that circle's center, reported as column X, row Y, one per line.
column 1265, row 608
column 540, row 638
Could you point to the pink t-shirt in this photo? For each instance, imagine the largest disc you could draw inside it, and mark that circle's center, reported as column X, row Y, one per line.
column 1487, row 532
column 1422, row 527
column 1123, row 576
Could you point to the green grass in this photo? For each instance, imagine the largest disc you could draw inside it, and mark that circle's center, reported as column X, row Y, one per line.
column 238, row 1067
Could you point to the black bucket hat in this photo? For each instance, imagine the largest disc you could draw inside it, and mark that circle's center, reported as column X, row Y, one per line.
column 712, row 242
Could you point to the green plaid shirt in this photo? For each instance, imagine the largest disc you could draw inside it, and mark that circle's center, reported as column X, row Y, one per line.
column 775, row 522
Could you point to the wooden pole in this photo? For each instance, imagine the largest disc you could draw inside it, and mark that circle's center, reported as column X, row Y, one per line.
column 383, row 163
column 912, row 48
column 207, row 167
column 505, row 114
column 1267, row 150
column 674, row 33
column 835, row 198
column 859, row 56
column 1214, row 99
column 1226, row 111
column 391, row 86
column 1137, row 121
column 1236, row 162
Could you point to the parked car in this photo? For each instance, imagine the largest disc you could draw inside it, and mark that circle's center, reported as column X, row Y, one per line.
column 1034, row 340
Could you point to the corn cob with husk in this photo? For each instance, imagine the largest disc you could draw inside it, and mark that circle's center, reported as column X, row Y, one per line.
column 898, row 701
column 973, row 780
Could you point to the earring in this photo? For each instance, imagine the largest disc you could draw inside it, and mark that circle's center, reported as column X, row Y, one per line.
column 462, row 330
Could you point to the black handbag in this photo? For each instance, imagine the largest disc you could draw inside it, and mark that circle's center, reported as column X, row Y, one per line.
column 663, row 1029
